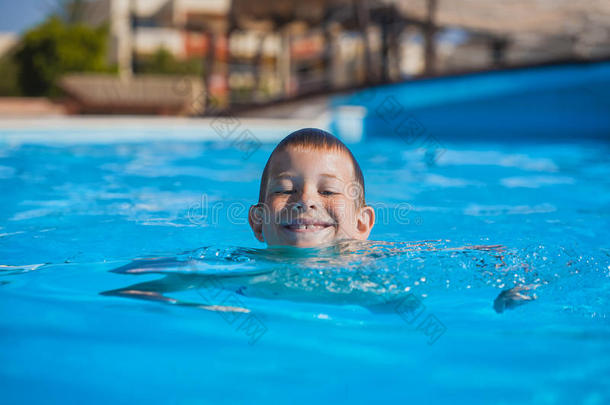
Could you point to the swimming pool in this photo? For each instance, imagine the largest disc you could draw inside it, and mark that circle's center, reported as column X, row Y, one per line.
column 129, row 273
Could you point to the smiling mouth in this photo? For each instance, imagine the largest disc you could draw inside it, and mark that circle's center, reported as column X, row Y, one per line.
column 307, row 226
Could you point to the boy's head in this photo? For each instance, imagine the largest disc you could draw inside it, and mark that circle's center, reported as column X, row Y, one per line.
column 311, row 193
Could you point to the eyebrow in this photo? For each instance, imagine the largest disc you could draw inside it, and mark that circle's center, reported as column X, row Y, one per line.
column 290, row 174
column 283, row 175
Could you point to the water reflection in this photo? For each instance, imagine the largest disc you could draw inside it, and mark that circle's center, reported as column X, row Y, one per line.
column 379, row 276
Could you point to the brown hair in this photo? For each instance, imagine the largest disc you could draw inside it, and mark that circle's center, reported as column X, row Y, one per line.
column 317, row 139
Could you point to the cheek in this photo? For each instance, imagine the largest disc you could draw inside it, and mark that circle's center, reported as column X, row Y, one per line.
column 276, row 206
column 342, row 210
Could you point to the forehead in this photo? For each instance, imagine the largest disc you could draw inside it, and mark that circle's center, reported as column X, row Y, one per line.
column 310, row 162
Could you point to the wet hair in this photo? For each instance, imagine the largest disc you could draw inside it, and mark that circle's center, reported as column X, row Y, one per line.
column 317, row 139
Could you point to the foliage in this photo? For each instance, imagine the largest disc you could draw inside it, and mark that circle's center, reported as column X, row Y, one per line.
column 8, row 77
column 163, row 62
column 54, row 48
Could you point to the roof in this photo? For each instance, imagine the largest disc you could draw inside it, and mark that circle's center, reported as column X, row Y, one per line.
column 586, row 22
column 143, row 92
column 516, row 16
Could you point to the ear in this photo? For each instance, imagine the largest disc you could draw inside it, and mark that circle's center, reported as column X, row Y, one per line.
column 256, row 218
column 366, row 221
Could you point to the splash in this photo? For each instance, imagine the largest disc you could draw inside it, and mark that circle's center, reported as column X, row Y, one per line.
column 369, row 274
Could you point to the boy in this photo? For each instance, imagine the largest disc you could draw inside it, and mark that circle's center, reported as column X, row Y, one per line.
column 311, row 193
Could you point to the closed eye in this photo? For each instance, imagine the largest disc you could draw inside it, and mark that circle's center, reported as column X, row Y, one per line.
column 327, row 192
column 285, row 192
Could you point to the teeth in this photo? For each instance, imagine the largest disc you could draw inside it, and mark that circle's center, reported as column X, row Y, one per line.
column 305, row 227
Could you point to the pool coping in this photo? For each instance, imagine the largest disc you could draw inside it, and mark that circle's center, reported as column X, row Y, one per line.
column 108, row 129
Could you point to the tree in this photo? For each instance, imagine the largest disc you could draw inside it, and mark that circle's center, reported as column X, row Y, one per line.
column 54, row 48
column 164, row 62
column 8, row 77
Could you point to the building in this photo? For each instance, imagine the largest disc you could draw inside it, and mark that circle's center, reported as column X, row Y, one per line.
column 259, row 51
column 144, row 26
column 7, row 42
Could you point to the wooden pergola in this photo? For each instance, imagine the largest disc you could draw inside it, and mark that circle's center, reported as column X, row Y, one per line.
column 516, row 17
column 358, row 16
column 582, row 25
column 498, row 25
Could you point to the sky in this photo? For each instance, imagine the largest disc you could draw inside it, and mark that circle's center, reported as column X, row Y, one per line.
column 19, row 15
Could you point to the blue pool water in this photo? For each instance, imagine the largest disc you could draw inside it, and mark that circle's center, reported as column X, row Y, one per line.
column 128, row 273
column 73, row 324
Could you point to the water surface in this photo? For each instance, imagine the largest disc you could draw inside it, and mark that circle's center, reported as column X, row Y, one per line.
column 129, row 273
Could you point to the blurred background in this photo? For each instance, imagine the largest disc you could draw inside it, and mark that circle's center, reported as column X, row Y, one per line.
column 269, row 58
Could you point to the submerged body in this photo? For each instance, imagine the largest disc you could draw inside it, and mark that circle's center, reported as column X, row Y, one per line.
column 353, row 278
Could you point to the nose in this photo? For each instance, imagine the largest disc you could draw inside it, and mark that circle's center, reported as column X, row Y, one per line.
column 306, row 200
